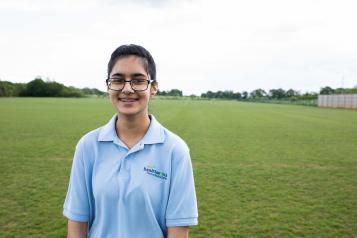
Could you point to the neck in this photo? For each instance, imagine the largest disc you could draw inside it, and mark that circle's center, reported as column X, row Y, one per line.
column 131, row 129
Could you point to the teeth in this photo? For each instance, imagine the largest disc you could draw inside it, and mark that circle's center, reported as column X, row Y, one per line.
column 127, row 100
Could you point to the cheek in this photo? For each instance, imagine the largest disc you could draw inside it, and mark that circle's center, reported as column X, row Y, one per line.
column 112, row 97
column 145, row 96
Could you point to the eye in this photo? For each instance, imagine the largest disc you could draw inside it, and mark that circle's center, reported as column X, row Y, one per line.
column 139, row 81
column 117, row 80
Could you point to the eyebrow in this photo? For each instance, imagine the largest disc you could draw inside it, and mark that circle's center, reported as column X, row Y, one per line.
column 132, row 75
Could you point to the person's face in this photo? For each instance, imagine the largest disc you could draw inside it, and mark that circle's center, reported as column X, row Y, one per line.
column 127, row 101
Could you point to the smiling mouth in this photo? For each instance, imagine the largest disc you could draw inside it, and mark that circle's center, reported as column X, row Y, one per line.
column 128, row 99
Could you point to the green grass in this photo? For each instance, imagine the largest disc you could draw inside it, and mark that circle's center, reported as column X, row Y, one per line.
column 261, row 170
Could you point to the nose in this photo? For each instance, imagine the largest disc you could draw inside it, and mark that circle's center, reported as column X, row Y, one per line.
column 127, row 88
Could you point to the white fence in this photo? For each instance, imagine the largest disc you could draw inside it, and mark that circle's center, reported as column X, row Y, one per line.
column 338, row 101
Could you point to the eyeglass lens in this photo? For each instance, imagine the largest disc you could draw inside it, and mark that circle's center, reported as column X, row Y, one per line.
column 136, row 84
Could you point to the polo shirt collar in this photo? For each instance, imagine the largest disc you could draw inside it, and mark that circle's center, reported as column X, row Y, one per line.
column 155, row 133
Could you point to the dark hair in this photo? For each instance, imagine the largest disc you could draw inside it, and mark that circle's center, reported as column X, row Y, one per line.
column 136, row 50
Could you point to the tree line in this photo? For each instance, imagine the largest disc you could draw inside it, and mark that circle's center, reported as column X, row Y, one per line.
column 276, row 94
column 328, row 90
column 172, row 92
column 41, row 88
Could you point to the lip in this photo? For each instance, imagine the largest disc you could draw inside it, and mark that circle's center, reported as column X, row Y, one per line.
column 128, row 99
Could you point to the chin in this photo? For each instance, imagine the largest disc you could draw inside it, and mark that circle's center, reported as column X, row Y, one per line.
column 129, row 111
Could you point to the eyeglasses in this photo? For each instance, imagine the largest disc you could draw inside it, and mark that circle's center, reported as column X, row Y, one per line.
column 117, row 84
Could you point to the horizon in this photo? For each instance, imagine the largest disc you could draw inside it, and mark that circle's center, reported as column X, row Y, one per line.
column 183, row 93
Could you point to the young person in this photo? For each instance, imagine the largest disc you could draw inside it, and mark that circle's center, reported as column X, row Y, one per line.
column 132, row 177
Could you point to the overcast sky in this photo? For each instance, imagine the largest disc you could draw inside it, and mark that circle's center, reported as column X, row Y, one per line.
column 197, row 45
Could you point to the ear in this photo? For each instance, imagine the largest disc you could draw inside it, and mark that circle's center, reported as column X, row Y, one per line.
column 108, row 91
column 154, row 88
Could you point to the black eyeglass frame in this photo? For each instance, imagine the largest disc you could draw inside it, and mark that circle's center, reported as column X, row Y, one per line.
column 150, row 81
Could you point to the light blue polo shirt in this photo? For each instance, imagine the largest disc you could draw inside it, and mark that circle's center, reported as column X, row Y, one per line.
column 131, row 193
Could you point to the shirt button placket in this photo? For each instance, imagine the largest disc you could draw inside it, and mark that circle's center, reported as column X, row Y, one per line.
column 122, row 170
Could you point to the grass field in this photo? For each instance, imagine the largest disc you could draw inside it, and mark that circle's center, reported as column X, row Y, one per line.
column 261, row 170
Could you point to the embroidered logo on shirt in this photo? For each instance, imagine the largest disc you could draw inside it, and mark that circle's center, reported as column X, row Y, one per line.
column 152, row 171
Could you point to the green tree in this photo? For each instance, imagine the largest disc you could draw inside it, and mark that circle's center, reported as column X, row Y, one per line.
column 36, row 88
column 277, row 93
column 175, row 92
column 327, row 90
column 244, row 95
column 258, row 93
column 6, row 89
column 54, row 89
column 291, row 93
column 237, row 96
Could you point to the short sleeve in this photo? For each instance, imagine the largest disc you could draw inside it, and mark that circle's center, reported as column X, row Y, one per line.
column 182, row 204
column 76, row 205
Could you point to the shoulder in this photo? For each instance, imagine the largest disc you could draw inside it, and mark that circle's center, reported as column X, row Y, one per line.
column 171, row 140
column 180, row 153
column 87, row 148
column 178, row 146
column 103, row 133
column 90, row 138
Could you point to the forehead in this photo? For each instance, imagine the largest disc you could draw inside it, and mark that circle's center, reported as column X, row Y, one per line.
column 129, row 65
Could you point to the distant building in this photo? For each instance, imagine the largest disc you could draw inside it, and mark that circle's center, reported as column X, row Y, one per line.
column 338, row 101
